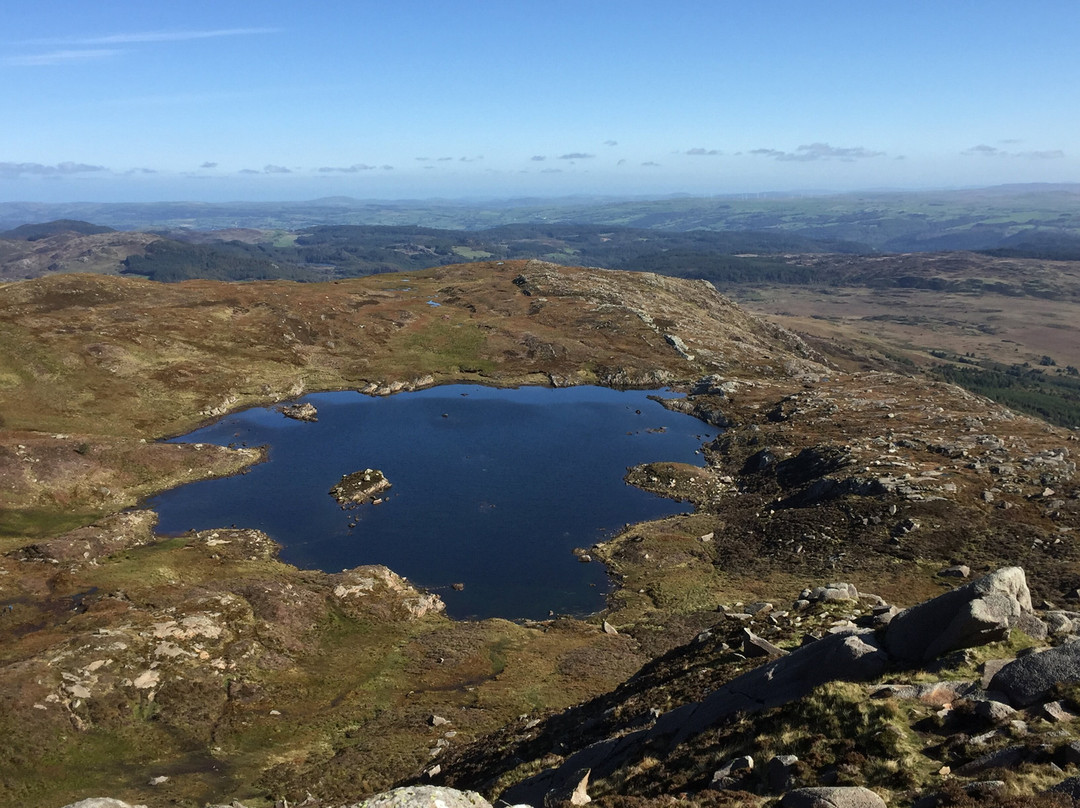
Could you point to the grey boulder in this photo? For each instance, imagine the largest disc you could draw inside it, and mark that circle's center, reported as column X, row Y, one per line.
column 973, row 614
column 1029, row 678
column 1069, row 786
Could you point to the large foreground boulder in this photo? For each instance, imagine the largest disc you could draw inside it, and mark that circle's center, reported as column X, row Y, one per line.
column 853, row 657
column 832, row 797
column 425, row 797
column 839, row 657
column 1070, row 786
column 979, row 612
column 1028, row 679
column 976, row 613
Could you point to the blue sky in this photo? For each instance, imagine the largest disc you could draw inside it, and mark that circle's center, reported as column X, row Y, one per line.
column 130, row 100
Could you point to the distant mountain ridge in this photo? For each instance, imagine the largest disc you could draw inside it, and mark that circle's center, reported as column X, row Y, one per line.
column 887, row 221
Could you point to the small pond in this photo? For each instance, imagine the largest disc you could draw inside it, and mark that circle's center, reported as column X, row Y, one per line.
column 492, row 488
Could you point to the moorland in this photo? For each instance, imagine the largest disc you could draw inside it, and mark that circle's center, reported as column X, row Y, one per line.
column 848, row 455
column 978, row 286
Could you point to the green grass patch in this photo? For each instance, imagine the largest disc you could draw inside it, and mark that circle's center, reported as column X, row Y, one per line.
column 92, row 762
column 497, row 652
column 471, row 254
column 445, row 346
column 19, row 527
column 282, row 238
column 838, row 726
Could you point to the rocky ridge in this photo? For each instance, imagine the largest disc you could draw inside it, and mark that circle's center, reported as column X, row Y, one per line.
column 938, row 720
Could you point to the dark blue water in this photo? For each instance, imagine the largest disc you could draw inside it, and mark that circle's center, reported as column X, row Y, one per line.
column 491, row 488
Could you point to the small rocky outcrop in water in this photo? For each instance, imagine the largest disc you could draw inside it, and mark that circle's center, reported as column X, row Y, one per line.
column 300, row 412
column 359, row 487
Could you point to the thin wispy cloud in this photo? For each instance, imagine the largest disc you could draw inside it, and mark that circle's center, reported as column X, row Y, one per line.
column 209, row 165
column 61, row 57
column 819, row 151
column 355, row 168
column 137, row 37
column 267, row 169
column 97, row 48
column 983, row 150
column 700, row 152
column 576, row 156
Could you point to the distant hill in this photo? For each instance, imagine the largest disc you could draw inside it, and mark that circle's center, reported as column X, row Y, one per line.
column 723, row 257
column 877, row 221
column 39, row 253
column 36, row 232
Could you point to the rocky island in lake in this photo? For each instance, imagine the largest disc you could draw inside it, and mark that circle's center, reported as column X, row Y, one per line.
column 359, row 487
column 300, row 412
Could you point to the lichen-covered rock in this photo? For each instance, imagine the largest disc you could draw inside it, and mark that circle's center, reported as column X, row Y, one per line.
column 376, row 590
column 837, row 591
column 101, row 802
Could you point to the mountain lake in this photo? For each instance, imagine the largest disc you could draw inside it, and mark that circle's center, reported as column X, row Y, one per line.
column 492, row 488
